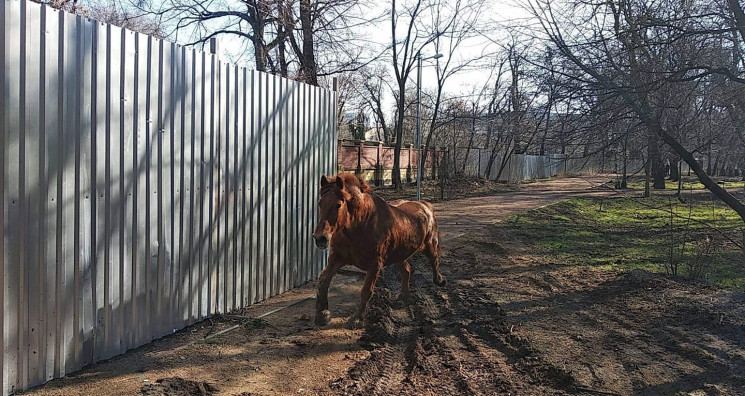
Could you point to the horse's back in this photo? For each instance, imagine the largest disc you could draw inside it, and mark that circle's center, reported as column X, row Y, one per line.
column 422, row 210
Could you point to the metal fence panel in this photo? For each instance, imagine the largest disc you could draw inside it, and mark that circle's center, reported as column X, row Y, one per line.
column 145, row 186
column 251, row 160
column 270, row 112
column 519, row 167
column 262, row 218
column 177, row 187
column 48, row 100
column 189, row 161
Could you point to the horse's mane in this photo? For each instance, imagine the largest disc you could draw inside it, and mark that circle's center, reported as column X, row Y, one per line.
column 356, row 181
column 352, row 182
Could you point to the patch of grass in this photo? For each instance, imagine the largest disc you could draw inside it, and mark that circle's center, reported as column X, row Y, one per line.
column 689, row 183
column 634, row 232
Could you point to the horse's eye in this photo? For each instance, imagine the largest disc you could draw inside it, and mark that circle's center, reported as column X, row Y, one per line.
column 338, row 205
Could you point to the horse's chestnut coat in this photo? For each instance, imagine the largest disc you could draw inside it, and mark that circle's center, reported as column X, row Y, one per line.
column 363, row 230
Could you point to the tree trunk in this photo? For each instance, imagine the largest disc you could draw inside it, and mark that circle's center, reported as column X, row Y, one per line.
column 507, row 154
column 468, row 151
column 260, row 57
column 435, row 113
column 674, row 168
column 647, row 172
column 625, row 160
column 399, row 137
column 492, row 157
column 704, row 178
column 492, row 152
column 678, row 165
column 470, row 139
column 426, row 150
column 656, row 168
column 308, row 61
column 548, row 120
column 281, row 56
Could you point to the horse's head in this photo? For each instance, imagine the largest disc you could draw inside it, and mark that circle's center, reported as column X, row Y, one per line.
column 339, row 195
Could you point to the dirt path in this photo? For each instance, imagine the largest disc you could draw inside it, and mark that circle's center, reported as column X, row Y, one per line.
column 459, row 216
column 451, row 340
column 609, row 332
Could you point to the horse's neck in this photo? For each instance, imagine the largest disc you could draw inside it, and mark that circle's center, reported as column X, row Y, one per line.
column 365, row 214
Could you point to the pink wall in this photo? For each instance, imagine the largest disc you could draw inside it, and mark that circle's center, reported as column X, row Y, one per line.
column 368, row 157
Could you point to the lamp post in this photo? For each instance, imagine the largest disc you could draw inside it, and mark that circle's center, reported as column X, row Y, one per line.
column 419, row 122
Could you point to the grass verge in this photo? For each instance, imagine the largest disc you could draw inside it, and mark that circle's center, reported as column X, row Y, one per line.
column 623, row 233
column 688, row 183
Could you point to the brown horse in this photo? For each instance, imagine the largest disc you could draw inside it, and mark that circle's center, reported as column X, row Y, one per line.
column 368, row 233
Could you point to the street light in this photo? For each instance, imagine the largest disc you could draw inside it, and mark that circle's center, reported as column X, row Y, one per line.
column 419, row 122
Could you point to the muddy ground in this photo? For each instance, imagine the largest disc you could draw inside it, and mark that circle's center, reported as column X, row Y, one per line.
column 508, row 322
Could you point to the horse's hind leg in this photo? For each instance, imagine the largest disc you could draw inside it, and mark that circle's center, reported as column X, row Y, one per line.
column 405, row 269
column 323, row 316
column 432, row 251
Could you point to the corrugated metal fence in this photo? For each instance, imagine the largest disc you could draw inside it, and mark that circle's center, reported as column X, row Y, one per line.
column 145, row 186
column 519, row 167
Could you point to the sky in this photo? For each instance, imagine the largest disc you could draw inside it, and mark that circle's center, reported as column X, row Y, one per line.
column 464, row 84
column 467, row 83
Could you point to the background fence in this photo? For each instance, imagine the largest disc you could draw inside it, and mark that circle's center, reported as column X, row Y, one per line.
column 145, row 187
column 519, row 167
column 374, row 161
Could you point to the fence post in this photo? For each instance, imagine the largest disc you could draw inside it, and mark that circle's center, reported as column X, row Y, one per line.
column 215, row 47
column 444, row 170
column 379, row 166
column 359, row 159
column 478, row 169
column 434, row 159
column 408, row 168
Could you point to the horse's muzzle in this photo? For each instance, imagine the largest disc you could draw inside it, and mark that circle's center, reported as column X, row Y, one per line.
column 321, row 241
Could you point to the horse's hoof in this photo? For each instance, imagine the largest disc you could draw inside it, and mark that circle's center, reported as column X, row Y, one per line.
column 353, row 323
column 323, row 318
column 402, row 300
column 440, row 281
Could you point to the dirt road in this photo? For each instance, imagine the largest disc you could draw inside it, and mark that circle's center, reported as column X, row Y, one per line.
column 449, row 340
column 459, row 216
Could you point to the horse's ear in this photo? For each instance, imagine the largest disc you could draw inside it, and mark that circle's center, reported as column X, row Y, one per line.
column 324, row 180
column 340, row 182
column 364, row 187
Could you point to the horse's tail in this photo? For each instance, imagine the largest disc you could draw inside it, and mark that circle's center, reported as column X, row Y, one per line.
column 434, row 231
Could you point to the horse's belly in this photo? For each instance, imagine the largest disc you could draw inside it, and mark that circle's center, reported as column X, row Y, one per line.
column 403, row 251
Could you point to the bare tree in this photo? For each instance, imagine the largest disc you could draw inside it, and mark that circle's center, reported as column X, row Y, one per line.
column 127, row 18
column 113, row 13
column 71, row 6
column 252, row 20
column 372, row 90
column 645, row 49
column 457, row 26
column 285, row 35
column 410, row 35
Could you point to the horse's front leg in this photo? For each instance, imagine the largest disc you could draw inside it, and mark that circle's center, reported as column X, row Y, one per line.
column 367, row 290
column 323, row 316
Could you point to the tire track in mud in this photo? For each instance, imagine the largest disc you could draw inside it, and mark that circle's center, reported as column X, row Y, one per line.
column 450, row 340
